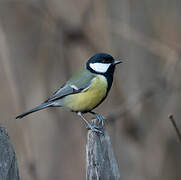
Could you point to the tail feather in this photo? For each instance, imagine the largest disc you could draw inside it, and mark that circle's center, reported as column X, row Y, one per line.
column 37, row 108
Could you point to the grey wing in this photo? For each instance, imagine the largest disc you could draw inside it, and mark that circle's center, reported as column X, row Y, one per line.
column 75, row 85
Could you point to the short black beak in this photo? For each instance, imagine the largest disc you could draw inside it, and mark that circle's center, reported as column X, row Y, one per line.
column 117, row 62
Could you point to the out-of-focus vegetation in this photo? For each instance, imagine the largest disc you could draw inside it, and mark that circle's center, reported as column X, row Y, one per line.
column 42, row 43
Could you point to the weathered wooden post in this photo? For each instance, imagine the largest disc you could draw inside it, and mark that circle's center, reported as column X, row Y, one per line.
column 8, row 162
column 100, row 161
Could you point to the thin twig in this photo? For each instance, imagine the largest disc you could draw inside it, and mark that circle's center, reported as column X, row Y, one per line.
column 175, row 126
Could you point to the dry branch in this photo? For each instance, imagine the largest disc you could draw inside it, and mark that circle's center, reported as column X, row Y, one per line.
column 8, row 162
column 100, row 161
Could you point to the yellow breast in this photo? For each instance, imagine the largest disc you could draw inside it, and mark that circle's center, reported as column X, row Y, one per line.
column 87, row 100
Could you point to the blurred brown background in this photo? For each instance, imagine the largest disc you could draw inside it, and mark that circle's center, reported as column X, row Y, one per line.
column 42, row 43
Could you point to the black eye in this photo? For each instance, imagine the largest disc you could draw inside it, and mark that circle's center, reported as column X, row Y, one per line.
column 104, row 61
column 107, row 60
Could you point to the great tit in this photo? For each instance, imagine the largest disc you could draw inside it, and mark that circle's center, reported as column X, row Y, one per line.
column 84, row 91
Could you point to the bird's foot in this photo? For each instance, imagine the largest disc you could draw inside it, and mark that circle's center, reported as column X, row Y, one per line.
column 100, row 119
column 94, row 128
column 89, row 125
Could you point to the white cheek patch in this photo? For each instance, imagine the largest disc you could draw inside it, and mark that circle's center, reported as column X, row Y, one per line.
column 100, row 67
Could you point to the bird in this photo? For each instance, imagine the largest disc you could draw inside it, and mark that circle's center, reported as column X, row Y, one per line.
column 86, row 90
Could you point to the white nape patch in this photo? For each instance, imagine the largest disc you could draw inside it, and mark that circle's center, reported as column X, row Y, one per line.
column 74, row 87
column 100, row 67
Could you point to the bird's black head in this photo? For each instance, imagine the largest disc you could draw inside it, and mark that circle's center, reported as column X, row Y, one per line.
column 102, row 63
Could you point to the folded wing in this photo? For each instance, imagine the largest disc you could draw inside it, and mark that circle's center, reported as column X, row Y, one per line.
column 80, row 82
